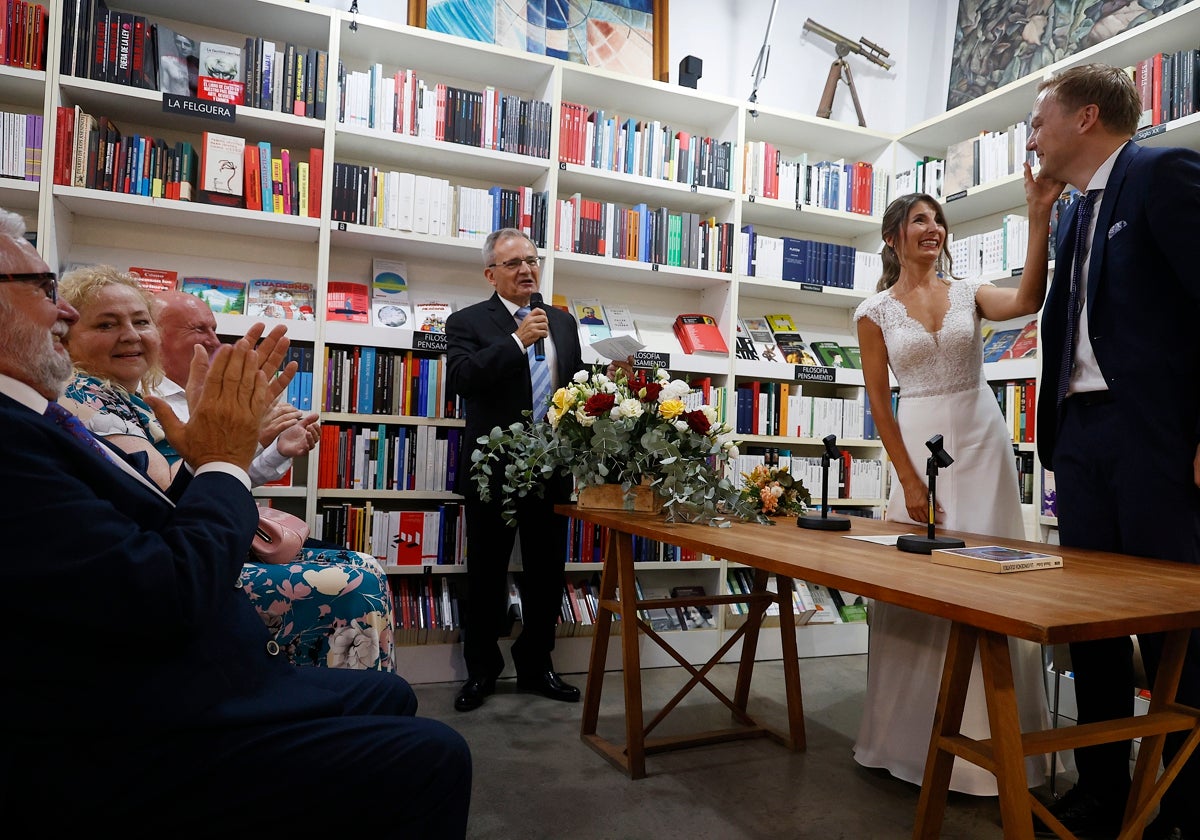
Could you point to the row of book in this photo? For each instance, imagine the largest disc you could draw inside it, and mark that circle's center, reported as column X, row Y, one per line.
column 812, row 603
column 300, row 390
column 426, row 609
column 130, row 49
column 641, row 233
column 23, row 30
column 831, row 184
column 776, row 338
column 1000, row 250
column 92, row 152
column 376, row 380
column 986, row 157
column 406, row 201
column 1168, row 85
column 648, row 148
column 782, row 409
column 798, row 260
column 926, row 175
column 383, row 457
column 404, row 103
column 20, row 146
column 429, row 537
column 849, row 477
column 1018, row 401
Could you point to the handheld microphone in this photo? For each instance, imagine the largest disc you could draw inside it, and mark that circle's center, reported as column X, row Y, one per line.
column 539, row 346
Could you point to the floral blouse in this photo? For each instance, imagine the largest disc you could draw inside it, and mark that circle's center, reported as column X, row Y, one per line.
column 108, row 409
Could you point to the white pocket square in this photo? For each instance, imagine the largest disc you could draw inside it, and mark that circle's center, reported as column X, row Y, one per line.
column 1117, row 228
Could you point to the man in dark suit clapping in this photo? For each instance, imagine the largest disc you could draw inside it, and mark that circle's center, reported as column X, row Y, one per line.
column 144, row 694
column 1119, row 399
column 492, row 366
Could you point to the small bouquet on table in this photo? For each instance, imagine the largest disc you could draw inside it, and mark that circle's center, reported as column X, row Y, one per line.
column 772, row 491
column 630, row 432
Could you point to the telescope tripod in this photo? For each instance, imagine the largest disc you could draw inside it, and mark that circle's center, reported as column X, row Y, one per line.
column 839, row 71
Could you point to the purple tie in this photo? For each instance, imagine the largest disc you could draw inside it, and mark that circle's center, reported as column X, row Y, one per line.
column 1083, row 219
column 69, row 423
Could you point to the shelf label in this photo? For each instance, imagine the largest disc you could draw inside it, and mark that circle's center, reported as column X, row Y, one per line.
column 429, row 342
column 956, row 196
column 651, row 359
column 815, row 373
column 751, row 199
column 812, row 287
column 1017, row 272
column 189, row 106
column 1150, row 131
column 562, row 166
column 799, row 206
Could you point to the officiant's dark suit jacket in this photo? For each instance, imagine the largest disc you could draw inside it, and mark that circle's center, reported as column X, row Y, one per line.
column 491, row 374
column 1123, row 461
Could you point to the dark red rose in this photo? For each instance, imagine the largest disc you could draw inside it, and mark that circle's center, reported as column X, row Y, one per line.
column 698, row 422
column 599, row 404
column 652, row 389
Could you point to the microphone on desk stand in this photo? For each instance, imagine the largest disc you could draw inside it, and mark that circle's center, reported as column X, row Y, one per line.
column 938, row 457
column 825, row 522
column 539, row 346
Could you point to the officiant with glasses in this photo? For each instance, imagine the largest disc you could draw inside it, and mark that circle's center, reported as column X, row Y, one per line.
column 494, row 366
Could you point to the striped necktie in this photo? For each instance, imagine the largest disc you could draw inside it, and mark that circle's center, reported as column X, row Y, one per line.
column 1083, row 221
column 539, row 376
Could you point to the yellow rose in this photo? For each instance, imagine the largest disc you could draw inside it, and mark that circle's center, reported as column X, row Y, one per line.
column 670, row 409
column 562, row 400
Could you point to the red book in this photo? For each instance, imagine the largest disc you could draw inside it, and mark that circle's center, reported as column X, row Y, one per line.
column 64, row 141
column 1031, row 414
column 253, row 175
column 700, row 333
column 316, row 166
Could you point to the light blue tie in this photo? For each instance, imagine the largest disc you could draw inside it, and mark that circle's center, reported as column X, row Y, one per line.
column 539, row 376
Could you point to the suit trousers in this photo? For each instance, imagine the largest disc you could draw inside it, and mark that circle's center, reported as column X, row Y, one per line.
column 301, row 777
column 1116, row 494
column 490, row 541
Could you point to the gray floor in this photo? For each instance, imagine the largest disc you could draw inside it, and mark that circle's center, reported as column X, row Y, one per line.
column 534, row 778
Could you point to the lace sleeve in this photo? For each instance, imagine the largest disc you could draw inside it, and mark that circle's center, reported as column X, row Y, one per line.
column 869, row 308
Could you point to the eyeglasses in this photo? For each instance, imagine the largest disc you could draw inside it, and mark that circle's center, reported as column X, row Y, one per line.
column 47, row 280
column 514, row 264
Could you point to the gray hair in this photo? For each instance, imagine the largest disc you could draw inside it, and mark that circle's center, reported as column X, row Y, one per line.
column 12, row 226
column 494, row 238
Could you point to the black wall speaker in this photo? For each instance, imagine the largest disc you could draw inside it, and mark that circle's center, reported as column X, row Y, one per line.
column 690, row 69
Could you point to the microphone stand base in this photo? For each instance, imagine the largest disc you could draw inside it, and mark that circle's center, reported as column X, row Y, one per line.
column 823, row 523
column 925, row 545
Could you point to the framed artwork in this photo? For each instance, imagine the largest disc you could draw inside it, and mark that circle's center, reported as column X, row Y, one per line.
column 1000, row 41
column 625, row 36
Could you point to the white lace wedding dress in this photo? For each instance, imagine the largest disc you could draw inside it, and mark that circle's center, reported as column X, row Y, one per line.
column 942, row 391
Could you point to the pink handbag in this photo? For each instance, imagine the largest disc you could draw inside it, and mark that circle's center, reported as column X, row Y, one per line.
column 278, row 537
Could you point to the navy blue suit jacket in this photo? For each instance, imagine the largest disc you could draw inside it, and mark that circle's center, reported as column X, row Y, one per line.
column 491, row 374
column 1143, row 306
column 121, row 610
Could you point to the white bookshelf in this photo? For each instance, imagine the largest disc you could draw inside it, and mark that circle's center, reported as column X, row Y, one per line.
column 80, row 225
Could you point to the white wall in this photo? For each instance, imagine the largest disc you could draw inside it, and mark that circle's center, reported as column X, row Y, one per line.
column 727, row 34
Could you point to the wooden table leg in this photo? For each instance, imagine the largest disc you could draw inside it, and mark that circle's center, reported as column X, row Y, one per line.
column 791, row 664
column 741, row 694
column 947, row 722
column 618, row 594
column 1144, row 793
column 1005, row 729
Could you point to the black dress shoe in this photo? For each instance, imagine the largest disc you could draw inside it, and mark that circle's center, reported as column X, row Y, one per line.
column 1085, row 815
column 471, row 695
column 548, row 684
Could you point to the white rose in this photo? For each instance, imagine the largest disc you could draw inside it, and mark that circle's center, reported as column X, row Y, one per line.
column 629, row 408
column 580, row 377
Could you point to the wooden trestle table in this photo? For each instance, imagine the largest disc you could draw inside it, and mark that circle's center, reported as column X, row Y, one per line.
column 1094, row 595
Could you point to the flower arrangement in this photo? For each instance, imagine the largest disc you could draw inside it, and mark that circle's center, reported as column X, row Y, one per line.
column 772, row 491
column 618, row 430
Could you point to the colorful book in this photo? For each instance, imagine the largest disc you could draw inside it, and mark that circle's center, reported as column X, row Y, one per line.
column 758, row 330
column 830, row 353
column 698, row 333
column 1025, row 345
column 589, row 312
column 781, row 322
column 999, row 343
column 347, row 300
column 286, row 299
column 222, row 169
column 219, row 74
column 430, row 315
column 223, row 296
column 389, row 294
column 794, row 350
column 996, row 559
column 155, row 280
